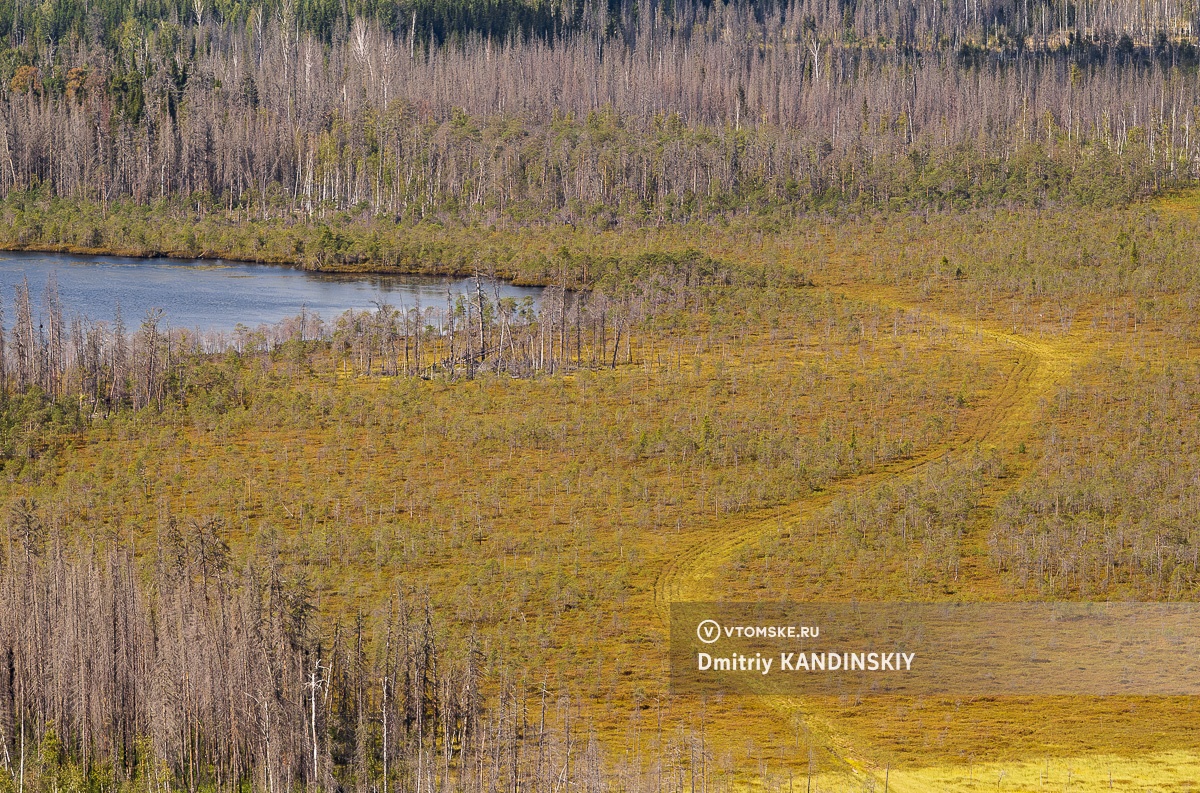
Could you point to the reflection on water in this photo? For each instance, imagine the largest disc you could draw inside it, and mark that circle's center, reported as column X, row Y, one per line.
column 217, row 295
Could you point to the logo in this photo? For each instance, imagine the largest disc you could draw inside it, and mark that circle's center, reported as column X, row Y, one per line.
column 708, row 631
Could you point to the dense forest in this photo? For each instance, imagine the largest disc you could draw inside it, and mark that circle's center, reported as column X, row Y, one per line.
column 635, row 112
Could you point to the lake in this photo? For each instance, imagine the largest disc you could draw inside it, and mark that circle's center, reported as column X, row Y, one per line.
column 215, row 295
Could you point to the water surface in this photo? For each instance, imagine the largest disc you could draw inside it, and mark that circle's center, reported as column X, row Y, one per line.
column 215, row 295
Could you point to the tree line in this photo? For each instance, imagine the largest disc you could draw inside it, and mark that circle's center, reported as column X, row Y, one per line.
column 1004, row 23
column 725, row 107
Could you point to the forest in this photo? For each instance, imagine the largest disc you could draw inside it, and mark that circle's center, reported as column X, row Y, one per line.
column 626, row 114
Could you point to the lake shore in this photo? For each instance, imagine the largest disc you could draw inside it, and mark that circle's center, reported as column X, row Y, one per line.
column 340, row 243
column 214, row 255
column 547, row 254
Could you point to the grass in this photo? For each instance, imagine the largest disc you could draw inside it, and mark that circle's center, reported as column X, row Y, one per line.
column 1163, row 771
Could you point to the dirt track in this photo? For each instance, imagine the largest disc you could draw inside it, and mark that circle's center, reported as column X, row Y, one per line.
column 1042, row 366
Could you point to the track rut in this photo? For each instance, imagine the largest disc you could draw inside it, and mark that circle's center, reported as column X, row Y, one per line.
column 695, row 573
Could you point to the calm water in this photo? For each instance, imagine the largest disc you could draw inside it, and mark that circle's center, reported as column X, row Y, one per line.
column 216, row 295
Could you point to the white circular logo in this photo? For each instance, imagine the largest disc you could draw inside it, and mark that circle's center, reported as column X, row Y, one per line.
column 708, row 631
